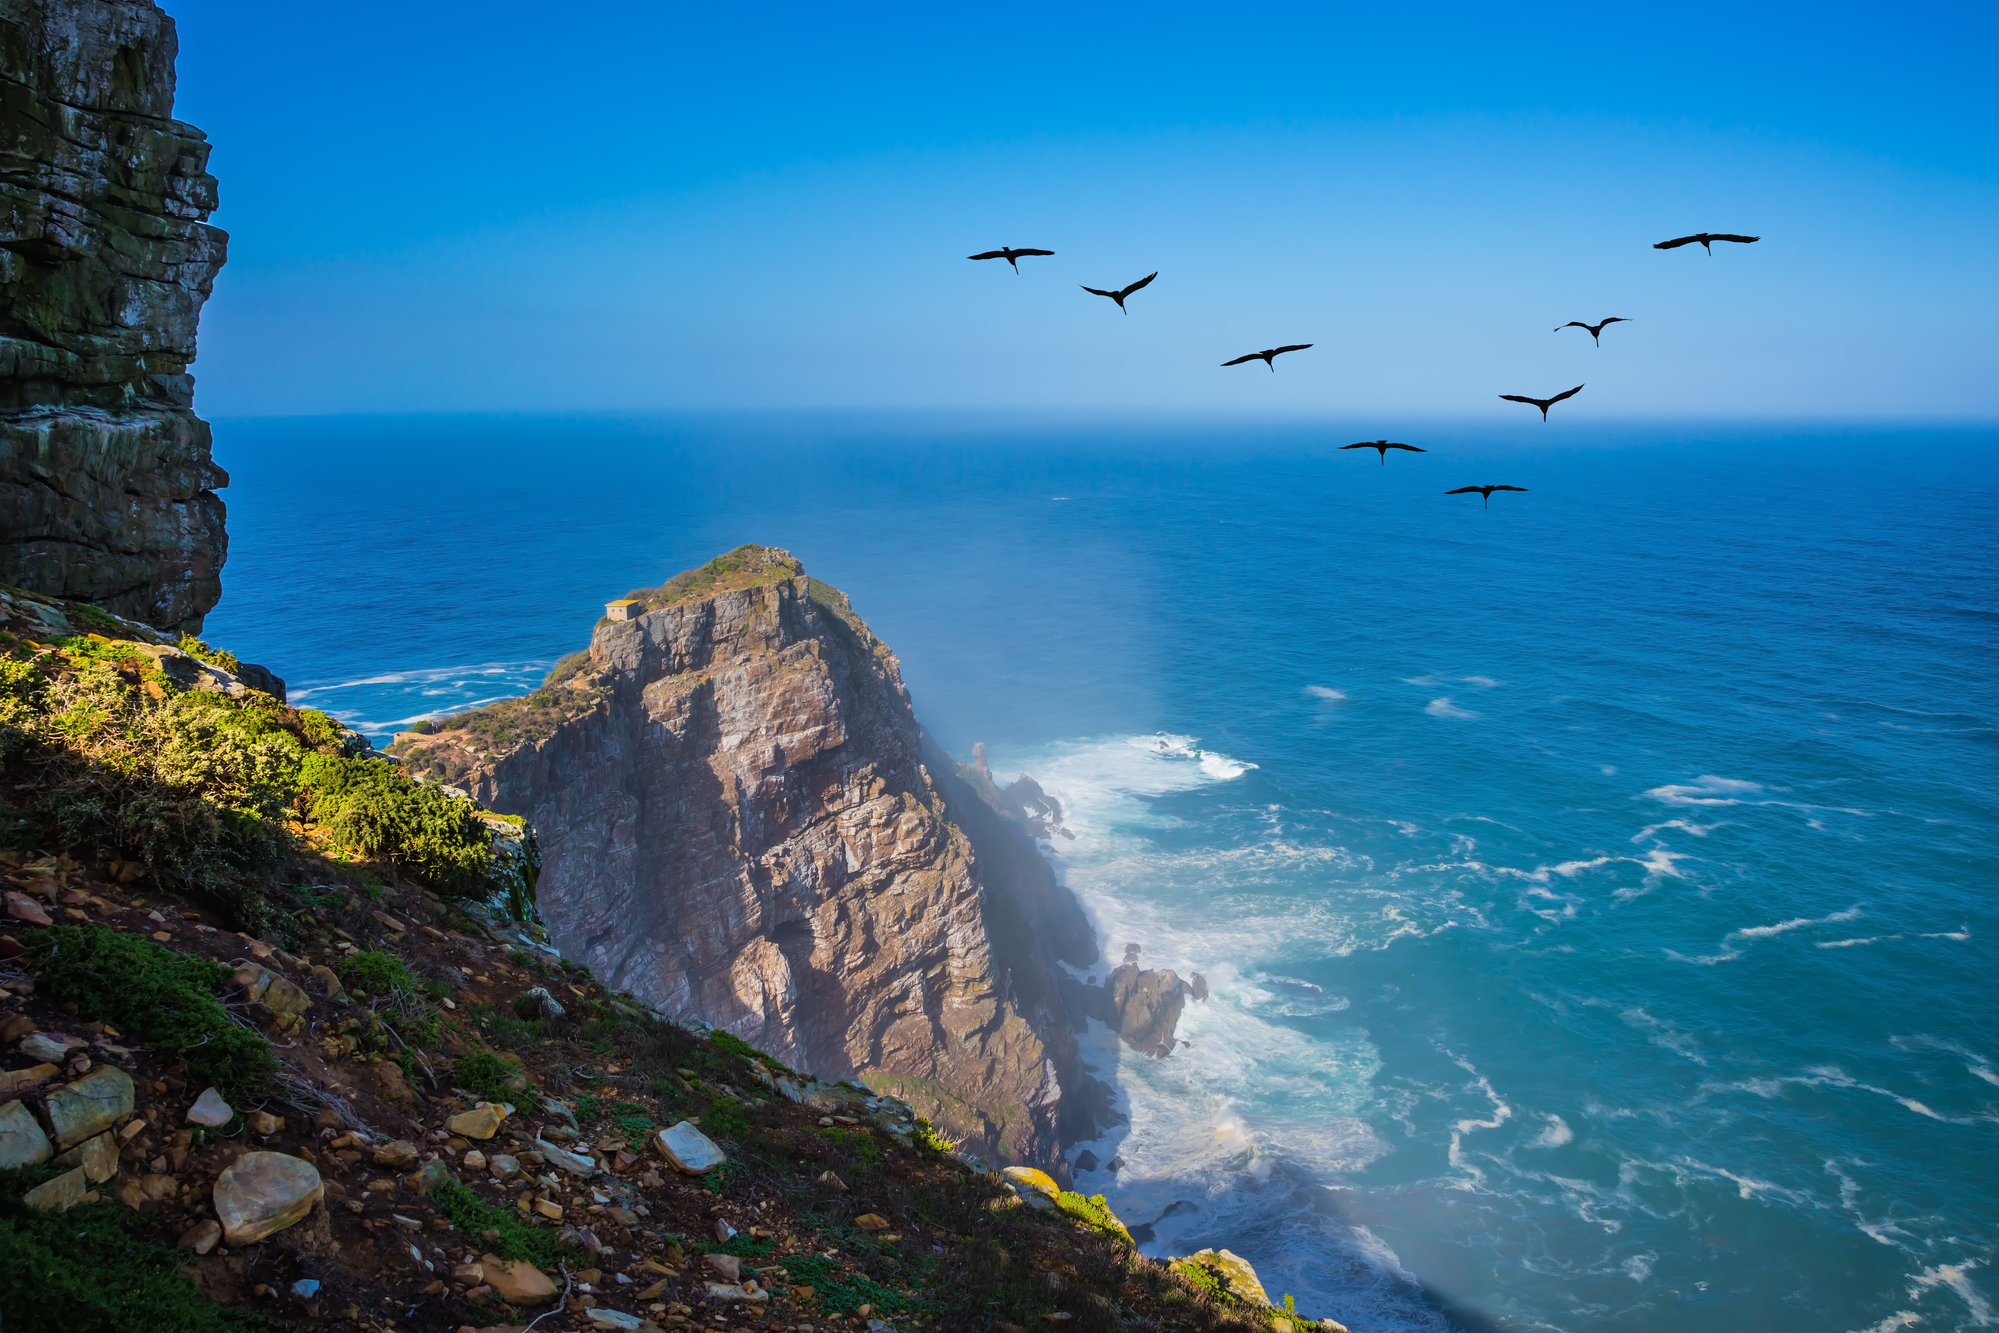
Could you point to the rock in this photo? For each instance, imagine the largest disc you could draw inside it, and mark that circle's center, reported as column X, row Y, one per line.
column 98, row 1157
column 872, row 1222
column 724, row 1233
column 727, row 1265
column 159, row 1187
column 66, row 1191
column 469, row 1274
column 1148, row 1006
column 263, row 1123
column 285, row 997
column 210, row 1110
column 22, row 1142
column 306, row 1288
column 576, row 1164
column 1086, row 1161
column 396, row 1090
column 504, row 1166
column 517, row 1283
column 600, row 1317
column 1197, row 985
column 17, row 1027
column 688, row 1149
column 474, row 1160
column 262, row 1193
column 429, row 1176
column 398, row 1155
column 15, row 1080
column 201, row 1237
column 481, row 1122
column 328, row 979
column 831, row 1181
column 91, row 1105
column 23, row 908
column 1027, row 1179
column 52, row 1046
column 1240, row 1278
column 730, row 1291
column 253, row 979
column 549, row 1209
column 538, row 1003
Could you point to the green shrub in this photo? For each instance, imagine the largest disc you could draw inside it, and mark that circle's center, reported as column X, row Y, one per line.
column 373, row 810
column 395, row 995
column 839, row 1290
column 1093, row 1212
column 488, row 1074
column 472, row 1215
column 100, row 649
column 164, row 999
column 87, row 1271
column 724, row 1119
column 215, row 657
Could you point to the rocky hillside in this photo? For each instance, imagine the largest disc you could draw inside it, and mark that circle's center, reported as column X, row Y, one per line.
column 738, row 825
column 107, row 486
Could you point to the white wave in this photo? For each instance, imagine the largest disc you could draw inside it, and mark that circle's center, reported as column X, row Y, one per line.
column 1481, row 682
column 1554, row 1134
column 1325, row 692
column 1957, row 1277
column 1684, row 825
column 1900, row 1319
column 1796, row 923
column 1960, row 934
column 425, row 676
column 1832, row 1076
column 1445, row 708
column 1855, row 942
column 1664, row 1035
column 1639, row 1266
column 1706, row 789
column 1609, row 770
column 1501, row 1113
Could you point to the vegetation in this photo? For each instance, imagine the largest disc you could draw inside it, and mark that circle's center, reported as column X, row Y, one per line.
column 493, row 1076
column 839, row 606
column 1093, row 1212
column 215, row 657
column 164, row 999
column 748, row 566
column 372, row 809
column 472, row 1215
column 395, row 996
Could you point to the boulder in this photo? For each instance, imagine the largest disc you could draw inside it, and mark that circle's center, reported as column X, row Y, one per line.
column 328, row 979
column 504, row 1165
column 285, row 997
column 253, row 978
column 210, row 1110
column 481, row 1122
column 66, row 1191
column 688, row 1149
column 1148, row 1006
column 576, row 1164
column 22, row 1142
column 262, row 1193
column 91, row 1105
column 23, row 908
column 14, row 1080
column 728, row 1266
column 429, row 1176
column 517, row 1283
column 538, row 1003
column 1028, row 1180
column 17, row 1027
column 53, row 1046
column 98, row 1157
column 1233, row 1269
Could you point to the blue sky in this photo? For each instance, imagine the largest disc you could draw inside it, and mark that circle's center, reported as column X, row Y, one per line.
column 519, row 207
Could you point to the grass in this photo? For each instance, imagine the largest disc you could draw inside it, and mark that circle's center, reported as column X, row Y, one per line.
column 748, row 566
column 215, row 657
column 487, row 1074
column 1093, row 1212
column 164, row 999
column 395, row 995
column 84, row 1271
column 473, row 1216
column 374, row 810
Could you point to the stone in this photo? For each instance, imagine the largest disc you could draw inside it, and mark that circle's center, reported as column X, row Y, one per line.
column 576, row 1164
column 549, row 1209
column 481, row 1122
column 159, row 1187
column 23, row 908
column 52, row 1046
column 1086, row 1161
column 17, row 1027
column 730, row 1291
column 263, row 1123
column 202, row 1236
column 253, row 979
column 832, row 1182
column 504, row 1165
column 475, row 1160
column 872, row 1222
column 328, row 979
column 91, row 1105
column 14, row 1080
column 1234, row 1269
column 1147, row 1005
column 429, row 1176
column 538, row 1003
column 727, row 1265
column 285, row 997
column 517, row 1283
column 688, row 1149
column 398, row 1155
column 602, row 1317
column 210, row 1110
column 63, row 1193
column 1028, row 1180
column 262, row 1193
column 470, row 1274
column 22, row 1142
column 98, row 1157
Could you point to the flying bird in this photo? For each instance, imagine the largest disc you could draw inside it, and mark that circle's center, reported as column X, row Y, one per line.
column 1704, row 237
column 1009, row 254
column 1268, row 356
column 1486, row 491
column 1382, row 447
column 1595, row 330
column 1543, row 403
column 1119, row 296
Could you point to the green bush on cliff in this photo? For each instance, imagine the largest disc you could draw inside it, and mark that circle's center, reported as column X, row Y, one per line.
column 373, row 810
column 215, row 657
column 748, row 566
column 1093, row 1212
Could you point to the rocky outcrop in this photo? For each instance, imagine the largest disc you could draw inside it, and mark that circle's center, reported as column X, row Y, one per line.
column 737, row 825
column 1143, row 1006
column 107, row 484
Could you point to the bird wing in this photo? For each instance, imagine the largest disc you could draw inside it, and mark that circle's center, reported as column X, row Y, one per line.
column 1675, row 244
column 1140, row 283
column 1410, row 447
column 1253, row 356
column 1614, row 319
column 990, row 254
column 1465, row 490
column 1516, row 398
column 1724, row 236
column 1364, row 444
column 1098, row 291
column 1034, row 252
column 1294, row 347
column 1568, row 394
column 1509, row 488
column 1573, row 324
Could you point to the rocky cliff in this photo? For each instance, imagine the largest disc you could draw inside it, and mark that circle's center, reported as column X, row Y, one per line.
column 738, row 824
column 107, row 486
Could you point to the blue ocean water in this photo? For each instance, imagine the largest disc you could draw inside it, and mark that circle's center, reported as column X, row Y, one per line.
column 1596, row 889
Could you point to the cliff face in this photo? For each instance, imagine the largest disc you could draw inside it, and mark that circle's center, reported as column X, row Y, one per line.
column 107, row 486
column 737, row 825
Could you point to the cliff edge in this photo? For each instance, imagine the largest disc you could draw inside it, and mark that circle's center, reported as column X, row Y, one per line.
column 107, row 483
column 737, row 825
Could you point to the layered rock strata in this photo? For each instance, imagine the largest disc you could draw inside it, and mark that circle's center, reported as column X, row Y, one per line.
column 737, row 825
column 107, row 483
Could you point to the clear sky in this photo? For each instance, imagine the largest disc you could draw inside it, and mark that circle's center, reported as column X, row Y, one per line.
column 507, row 206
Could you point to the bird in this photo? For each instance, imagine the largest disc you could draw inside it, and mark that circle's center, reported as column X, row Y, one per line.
column 1486, row 491
column 1704, row 237
column 1009, row 255
column 1595, row 330
column 1543, row 403
column 1382, row 447
column 1119, row 296
column 1268, row 355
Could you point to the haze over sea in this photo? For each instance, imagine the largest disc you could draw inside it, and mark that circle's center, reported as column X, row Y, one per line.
column 1596, row 889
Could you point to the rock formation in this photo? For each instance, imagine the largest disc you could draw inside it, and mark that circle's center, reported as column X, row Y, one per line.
column 1142, row 1006
column 738, row 825
column 107, row 486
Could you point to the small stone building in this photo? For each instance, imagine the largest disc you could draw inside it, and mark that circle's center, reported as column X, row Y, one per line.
column 628, row 609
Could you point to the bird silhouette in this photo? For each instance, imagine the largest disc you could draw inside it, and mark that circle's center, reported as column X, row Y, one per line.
column 1486, row 491
column 1268, row 356
column 1595, row 330
column 1009, row 255
column 1704, row 237
column 1382, row 447
column 1543, row 403
column 1119, row 296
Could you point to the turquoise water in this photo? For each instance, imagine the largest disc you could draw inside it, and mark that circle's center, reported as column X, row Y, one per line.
column 1596, row 889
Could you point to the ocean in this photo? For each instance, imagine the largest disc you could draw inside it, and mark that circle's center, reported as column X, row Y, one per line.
column 1596, row 889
